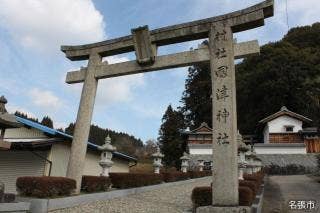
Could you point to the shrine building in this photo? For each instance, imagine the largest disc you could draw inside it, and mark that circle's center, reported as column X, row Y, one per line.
column 284, row 133
column 199, row 142
column 283, row 140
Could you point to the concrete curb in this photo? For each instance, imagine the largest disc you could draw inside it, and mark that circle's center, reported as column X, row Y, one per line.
column 15, row 207
column 257, row 203
column 45, row 205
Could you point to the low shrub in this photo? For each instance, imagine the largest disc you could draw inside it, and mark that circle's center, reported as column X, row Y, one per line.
column 44, row 186
column 246, row 196
column 174, row 176
column 168, row 169
column 261, row 173
column 254, row 177
column 9, row 197
column 130, row 180
column 198, row 174
column 202, row 196
column 95, row 183
column 253, row 185
column 194, row 174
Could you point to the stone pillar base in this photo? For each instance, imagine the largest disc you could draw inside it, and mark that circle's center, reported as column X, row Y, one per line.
column 224, row 209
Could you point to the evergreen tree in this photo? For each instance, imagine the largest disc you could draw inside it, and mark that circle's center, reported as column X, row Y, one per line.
column 24, row 115
column 196, row 98
column 46, row 121
column 69, row 129
column 170, row 140
column 60, row 129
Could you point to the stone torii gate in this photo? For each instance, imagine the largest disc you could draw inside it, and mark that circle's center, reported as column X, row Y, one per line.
column 221, row 52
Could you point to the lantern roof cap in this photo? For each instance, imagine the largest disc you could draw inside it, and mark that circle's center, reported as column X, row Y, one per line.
column 185, row 156
column 158, row 153
column 107, row 145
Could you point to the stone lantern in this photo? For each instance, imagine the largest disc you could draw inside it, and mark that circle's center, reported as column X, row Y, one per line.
column 257, row 164
column 200, row 165
column 7, row 121
column 106, row 156
column 251, row 155
column 157, row 158
column 242, row 149
column 184, row 162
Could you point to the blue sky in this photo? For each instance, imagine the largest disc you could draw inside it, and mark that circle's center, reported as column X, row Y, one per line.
column 33, row 69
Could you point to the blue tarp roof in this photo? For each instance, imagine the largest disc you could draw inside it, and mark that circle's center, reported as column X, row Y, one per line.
column 57, row 133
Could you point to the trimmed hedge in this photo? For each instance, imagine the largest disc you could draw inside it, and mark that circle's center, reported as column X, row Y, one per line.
column 253, row 185
column 246, row 196
column 9, row 198
column 174, row 176
column 198, row 174
column 254, row 177
column 45, row 186
column 60, row 186
column 95, row 183
column 130, row 180
column 202, row 196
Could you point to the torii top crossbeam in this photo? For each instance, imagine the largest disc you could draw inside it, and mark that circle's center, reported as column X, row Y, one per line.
column 241, row 20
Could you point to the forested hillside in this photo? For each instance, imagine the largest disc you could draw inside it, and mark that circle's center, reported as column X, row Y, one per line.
column 124, row 142
column 285, row 73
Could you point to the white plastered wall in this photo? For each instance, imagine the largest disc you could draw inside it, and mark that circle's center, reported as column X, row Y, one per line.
column 278, row 125
column 200, row 151
column 280, row 150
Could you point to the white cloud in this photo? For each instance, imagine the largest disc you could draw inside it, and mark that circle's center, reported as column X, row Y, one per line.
column 114, row 90
column 152, row 111
column 115, row 59
column 57, row 125
column 47, row 24
column 45, row 99
column 118, row 90
column 304, row 12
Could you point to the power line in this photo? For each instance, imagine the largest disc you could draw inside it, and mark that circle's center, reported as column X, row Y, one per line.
column 287, row 14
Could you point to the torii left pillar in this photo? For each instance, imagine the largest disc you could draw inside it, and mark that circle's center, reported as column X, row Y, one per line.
column 79, row 147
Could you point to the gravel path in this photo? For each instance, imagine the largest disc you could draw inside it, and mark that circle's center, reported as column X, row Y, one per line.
column 167, row 200
column 287, row 188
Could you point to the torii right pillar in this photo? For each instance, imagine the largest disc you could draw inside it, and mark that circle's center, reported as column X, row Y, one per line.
column 225, row 194
column 225, row 180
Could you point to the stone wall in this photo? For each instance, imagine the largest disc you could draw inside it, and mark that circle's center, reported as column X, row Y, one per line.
column 282, row 160
column 306, row 160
